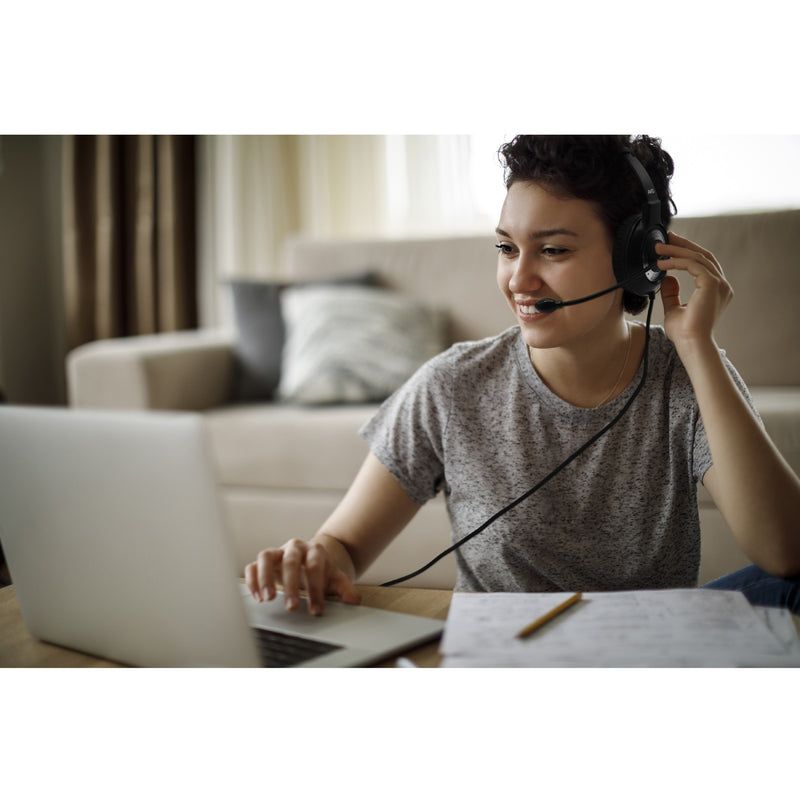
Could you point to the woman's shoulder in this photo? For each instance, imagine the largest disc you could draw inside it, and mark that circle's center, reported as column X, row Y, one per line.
column 462, row 362
column 662, row 355
column 481, row 353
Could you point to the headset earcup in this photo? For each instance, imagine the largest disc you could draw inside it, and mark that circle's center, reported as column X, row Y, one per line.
column 626, row 261
column 633, row 257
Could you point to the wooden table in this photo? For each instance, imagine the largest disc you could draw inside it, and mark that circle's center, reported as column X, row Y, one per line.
column 19, row 649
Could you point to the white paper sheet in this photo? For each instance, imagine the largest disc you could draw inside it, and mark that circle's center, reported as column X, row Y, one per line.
column 663, row 628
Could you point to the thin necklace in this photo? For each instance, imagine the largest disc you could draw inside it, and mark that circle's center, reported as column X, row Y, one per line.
column 621, row 372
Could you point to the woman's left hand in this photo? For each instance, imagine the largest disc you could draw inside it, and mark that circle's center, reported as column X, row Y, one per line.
column 692, row 323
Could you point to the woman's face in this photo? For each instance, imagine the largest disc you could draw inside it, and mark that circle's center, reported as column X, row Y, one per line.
column 556, row 247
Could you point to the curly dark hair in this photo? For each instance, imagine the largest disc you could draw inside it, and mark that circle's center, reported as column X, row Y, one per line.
column 594, row 168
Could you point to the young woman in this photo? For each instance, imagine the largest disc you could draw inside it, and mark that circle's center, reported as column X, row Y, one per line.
column 487, row 420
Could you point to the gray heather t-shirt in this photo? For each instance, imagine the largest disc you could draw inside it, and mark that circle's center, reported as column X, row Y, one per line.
column 478, row 423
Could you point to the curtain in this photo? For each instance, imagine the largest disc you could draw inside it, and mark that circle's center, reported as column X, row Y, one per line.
column 257, row 191
column 129, row 235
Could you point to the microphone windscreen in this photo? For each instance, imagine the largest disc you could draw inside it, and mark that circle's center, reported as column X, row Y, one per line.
column 546, row 305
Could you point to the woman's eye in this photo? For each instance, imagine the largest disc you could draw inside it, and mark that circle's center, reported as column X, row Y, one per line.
column 507, row 250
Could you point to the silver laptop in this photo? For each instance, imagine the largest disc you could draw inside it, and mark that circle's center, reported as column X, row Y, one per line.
column 114, row 535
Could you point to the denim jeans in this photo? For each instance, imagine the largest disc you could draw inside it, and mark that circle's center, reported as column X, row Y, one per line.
column 761, row 588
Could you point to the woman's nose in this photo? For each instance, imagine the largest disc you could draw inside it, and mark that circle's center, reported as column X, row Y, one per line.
column 525, row 277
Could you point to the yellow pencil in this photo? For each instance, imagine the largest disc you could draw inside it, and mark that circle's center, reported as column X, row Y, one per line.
column 537, row 623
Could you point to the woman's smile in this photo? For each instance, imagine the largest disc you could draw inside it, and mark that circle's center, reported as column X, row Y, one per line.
column 526, row 311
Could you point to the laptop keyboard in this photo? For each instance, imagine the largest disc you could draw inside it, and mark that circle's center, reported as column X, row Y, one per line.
column 284, row 650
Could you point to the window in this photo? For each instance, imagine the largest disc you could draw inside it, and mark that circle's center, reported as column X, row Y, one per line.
column 713, row 175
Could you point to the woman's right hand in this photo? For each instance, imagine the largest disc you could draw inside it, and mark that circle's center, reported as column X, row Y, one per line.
column 372, row 512
column 299, row 564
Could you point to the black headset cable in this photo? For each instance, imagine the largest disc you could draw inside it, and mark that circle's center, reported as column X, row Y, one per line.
column 561, row 466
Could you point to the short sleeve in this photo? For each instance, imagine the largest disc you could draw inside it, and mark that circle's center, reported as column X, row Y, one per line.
column 407, row 433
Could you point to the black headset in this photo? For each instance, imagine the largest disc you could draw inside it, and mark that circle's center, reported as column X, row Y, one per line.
column 634, row 257
column 636, row 269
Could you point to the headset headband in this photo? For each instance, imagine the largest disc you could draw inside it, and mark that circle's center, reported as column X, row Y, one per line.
column 653, row 204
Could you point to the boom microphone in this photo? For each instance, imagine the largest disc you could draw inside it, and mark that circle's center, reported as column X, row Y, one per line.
column 547, row 305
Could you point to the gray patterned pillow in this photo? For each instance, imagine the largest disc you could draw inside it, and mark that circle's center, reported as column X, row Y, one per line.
column 260, row 332
column 354, row 344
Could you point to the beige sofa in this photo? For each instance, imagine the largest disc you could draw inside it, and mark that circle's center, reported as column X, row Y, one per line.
column 282, row 468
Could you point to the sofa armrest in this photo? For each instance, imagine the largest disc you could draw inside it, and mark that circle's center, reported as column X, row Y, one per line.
column 183, row 371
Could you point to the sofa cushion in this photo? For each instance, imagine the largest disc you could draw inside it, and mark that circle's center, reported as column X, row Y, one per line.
column 287, row 447
column 260, row 333
column 354, row 344
column 779, row 409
